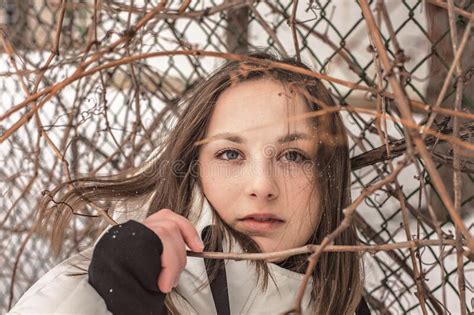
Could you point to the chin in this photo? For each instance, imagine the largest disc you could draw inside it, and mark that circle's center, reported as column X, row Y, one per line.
column 266, row 245
column 276, row 260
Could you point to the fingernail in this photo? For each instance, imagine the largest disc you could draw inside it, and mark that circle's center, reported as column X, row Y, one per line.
column 176, row 283
column 199, row 242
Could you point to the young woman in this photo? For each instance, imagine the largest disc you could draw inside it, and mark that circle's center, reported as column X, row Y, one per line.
column 245, row 169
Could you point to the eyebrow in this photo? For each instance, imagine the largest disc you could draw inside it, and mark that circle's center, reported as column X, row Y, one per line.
column 238, row 139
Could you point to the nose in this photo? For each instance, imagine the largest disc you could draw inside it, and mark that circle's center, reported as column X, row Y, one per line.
column 262, row 183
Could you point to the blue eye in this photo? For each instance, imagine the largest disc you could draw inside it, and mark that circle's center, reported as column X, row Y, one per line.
column 294, row 156
column 230, row 154
column 289, row 156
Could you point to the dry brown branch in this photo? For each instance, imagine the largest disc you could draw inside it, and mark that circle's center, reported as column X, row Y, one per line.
column 101, row 103
column 371, row 234
column 457, row 180
column 457, row 57
column 346, row 222
column 398, row 190
column 269, row 31
column 311, row 249
column 459, row 11
column 292, row 22
column 52, row 90
column 398, row 147
column 404, row 107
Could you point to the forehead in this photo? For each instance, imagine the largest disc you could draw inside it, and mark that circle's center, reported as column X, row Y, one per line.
column 259, row 108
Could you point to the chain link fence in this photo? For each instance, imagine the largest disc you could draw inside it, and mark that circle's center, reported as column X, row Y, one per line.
column 112, row 119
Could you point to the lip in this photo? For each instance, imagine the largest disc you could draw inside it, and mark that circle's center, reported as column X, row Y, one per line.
column 262, row 216
column 252, row 223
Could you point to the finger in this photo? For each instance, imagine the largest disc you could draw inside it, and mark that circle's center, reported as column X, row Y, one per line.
column 170, row 235
column 173, row 258
column 188, row 231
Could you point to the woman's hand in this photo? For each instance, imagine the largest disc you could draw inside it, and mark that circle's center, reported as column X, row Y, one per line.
column 175, row 232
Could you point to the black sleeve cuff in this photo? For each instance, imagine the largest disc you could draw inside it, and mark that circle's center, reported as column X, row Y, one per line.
column 124, row 269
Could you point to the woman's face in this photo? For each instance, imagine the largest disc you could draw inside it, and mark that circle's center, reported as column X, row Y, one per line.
column 259, row 180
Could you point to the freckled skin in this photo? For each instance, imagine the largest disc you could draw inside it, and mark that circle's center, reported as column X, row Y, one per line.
column 259, row 177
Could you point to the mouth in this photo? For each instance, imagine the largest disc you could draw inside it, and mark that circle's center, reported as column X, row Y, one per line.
column 262, row 222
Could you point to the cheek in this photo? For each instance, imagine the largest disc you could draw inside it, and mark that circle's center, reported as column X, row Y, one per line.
column 219, row 187
column 296, row 172
column 305, row 199
column 300, row 189
column 216, row 179
column 216, row 171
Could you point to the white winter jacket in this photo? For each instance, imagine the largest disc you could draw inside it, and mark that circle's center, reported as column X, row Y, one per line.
column 63, row 291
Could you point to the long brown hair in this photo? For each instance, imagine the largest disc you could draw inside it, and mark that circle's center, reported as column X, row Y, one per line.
column 167, row 180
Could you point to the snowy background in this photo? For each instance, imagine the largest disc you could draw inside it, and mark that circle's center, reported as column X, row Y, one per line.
column 90, row 118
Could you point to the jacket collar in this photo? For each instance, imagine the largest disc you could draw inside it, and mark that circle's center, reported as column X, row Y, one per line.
column 245, row 293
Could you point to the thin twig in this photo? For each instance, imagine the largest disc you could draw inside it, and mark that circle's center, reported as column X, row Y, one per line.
column 294, row 34
column 404, row 107
column 459, row 11
column 457, row 179
column 269, row 31
column 457, row 58
column 310, row 249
